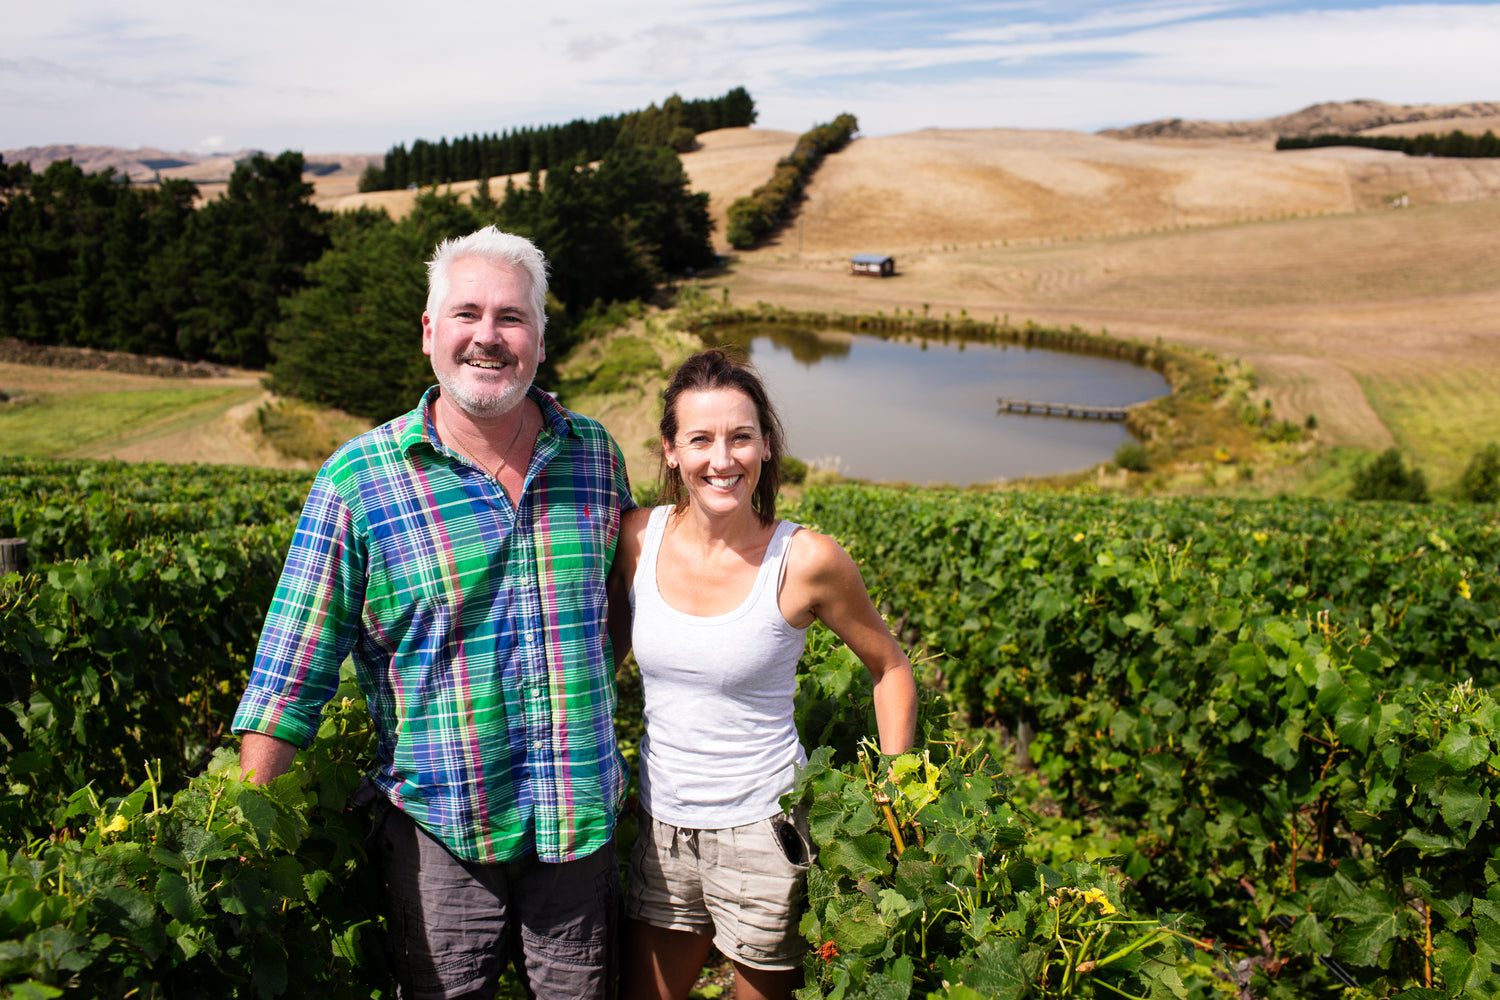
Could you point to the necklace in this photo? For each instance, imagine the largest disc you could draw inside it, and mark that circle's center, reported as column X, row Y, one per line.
column 495, row 474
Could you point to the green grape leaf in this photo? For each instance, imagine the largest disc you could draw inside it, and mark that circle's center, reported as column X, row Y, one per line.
column 863, row 855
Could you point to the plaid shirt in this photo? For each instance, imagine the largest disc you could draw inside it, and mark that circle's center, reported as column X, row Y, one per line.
column 478, row 632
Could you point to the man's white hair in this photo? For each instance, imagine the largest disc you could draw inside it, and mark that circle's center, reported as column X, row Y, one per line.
column 500, row 249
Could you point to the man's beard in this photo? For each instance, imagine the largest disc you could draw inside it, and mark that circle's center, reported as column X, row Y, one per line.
column 484, row 401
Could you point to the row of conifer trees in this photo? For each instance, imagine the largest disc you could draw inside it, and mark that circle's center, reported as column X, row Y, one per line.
column 516, row 151
column 1454, row 144
column 91, row 260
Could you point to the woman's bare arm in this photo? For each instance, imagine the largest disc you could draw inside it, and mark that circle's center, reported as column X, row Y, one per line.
column 823, row 582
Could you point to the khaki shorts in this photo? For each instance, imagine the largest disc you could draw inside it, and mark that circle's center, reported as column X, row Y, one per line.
column 745, row 885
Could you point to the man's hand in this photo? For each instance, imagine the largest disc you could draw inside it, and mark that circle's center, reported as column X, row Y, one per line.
column 266, row 756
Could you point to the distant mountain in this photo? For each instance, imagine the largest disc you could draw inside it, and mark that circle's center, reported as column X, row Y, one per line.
column 149, row 164
column 1343, row 117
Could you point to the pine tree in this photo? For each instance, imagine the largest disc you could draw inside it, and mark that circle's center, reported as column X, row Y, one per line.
column 646, row 190
column 591, row 258
column 483, row 204
column 250, row 247
column 352, row 337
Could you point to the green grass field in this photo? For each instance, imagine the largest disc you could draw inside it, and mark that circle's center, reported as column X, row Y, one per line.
column 77, row 424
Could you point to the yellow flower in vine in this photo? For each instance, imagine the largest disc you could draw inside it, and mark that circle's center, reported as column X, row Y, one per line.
column 1097, row 896
column 1078, row 537
column 117, row 825
column 1463, row 589
column 1087, row 895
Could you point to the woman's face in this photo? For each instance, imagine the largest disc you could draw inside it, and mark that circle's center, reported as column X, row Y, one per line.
column 719, row 448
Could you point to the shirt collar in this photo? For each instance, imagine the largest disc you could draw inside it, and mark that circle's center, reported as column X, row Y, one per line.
column 418, row 425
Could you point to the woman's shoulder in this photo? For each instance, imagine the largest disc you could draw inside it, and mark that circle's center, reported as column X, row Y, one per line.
column 639, row 517
column 812, row 555
column 633, row 525
column 819, row 577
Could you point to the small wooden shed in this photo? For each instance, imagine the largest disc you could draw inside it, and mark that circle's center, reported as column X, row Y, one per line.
column 876, row 265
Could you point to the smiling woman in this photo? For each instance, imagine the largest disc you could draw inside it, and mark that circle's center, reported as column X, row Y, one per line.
column 716, row 595
column 720, row 450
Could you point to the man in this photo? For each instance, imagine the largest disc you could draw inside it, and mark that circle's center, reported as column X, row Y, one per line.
column 459, row 553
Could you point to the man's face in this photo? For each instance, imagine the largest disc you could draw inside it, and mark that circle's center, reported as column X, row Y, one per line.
column 484, row 342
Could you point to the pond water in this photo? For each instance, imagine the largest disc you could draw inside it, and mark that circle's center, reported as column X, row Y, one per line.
column 925, row 412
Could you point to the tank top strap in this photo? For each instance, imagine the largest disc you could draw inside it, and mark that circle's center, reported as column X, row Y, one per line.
column 656, row 530
column 773, row 564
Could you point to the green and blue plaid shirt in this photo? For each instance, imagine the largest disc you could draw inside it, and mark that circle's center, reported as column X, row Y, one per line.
column 478, row 631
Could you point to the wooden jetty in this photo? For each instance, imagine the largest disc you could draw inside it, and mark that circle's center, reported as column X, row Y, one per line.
column 1082, row 411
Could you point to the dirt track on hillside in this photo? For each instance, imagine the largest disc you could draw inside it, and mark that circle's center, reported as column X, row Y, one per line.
column 221, row 441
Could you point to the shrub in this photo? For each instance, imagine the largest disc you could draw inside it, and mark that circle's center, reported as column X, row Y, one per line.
column 625, row 358
column 298, row 430
column 1283, row 430
column 1388, row 478
column 793, row 470
column 1131, row 455
column 1481, row 480
column 646, row 493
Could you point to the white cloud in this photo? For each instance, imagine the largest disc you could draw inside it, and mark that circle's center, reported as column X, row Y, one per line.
column 284, row 74
column 1113, row 19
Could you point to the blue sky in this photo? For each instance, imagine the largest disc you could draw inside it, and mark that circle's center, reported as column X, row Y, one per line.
column 310, row 75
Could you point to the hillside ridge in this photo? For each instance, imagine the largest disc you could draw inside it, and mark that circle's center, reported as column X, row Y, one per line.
column 1347, row 117
column 148, row 163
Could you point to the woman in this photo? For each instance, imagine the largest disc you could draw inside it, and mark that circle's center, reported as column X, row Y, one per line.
column 721, row 594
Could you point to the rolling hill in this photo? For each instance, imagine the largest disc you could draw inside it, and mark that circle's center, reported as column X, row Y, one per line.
column 1382, row 322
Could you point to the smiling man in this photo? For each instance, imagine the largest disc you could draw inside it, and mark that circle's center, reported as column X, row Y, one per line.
column 459, row 555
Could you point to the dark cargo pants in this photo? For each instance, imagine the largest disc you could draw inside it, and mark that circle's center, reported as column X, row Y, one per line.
column 453, row 925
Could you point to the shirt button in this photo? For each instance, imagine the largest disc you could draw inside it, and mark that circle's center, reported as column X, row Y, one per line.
column 537, row 745
column 530, row 637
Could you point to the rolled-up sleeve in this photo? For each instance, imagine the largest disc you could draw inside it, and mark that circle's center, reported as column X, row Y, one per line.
column 312, row 623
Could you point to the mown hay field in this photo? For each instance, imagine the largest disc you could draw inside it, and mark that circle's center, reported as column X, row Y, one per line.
column 1382, row 322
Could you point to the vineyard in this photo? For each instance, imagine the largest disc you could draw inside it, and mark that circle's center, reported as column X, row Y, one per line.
column 1258, row 751
column 1277, row 717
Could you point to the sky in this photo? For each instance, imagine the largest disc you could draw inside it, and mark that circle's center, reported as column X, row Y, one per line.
column 325, row 77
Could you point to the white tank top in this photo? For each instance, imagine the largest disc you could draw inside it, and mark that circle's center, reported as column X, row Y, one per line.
column 721, row 746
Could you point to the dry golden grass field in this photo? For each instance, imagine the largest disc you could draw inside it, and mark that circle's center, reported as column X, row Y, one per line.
column 1382, row 322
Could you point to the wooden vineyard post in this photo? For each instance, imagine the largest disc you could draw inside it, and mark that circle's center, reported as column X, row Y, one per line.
column 12, row 555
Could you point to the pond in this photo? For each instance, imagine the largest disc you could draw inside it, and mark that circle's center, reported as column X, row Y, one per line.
column 925, row 411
